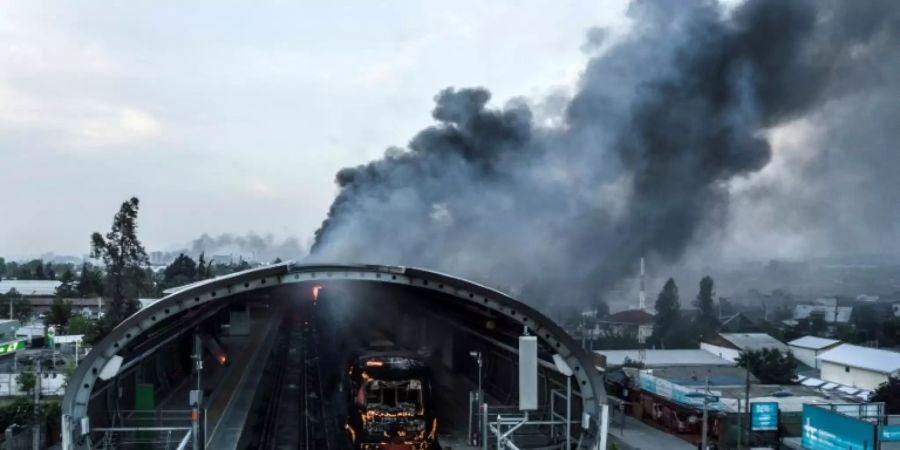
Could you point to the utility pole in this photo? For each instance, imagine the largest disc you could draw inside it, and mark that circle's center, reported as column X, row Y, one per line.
column 705, row 415
column 747, row 398
column 36, row 426
column 480, row 395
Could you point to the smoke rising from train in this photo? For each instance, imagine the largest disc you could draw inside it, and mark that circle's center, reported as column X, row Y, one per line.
column 644, row 161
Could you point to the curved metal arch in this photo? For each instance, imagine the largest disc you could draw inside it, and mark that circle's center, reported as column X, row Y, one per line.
column 78, row 393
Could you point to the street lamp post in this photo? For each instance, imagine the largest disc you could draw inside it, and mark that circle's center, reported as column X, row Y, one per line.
column 707, row 399
column 705, row 414
column 563, row 367
column 480, row 395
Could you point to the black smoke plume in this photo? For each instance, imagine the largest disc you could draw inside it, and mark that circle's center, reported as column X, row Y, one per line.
column 663, row 123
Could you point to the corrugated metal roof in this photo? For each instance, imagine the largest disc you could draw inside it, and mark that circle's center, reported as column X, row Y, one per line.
column 34, row 288
column 697, row 375
column 873, row 359
column 831, row 314
column 659, row 358
column 754, row 341
column 813, row 342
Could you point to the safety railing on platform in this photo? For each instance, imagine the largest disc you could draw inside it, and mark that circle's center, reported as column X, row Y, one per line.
column 155, row 438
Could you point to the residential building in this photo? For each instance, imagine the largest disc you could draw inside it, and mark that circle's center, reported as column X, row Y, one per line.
column 90, row 305
column 30, row 331
column 8, row 328
column 807, row 348
column 833, row 315
column 738, row 323
column 860, row 367
column 635, row 321
column 729, row 346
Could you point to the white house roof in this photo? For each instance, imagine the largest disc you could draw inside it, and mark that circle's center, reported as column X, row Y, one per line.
column 873, row 359
column 33, row 288
column 831, row 314
column 659, row 358
column 754, row 341
column 813, row 342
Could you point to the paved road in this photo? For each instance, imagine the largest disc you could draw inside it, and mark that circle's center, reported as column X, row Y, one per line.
column 640, row 436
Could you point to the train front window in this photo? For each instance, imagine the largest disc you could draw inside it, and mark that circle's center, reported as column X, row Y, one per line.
column 401, row 393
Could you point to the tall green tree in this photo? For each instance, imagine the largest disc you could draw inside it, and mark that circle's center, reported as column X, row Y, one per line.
column 2, row 267
column 204, row 267
column 26, row 382
column 889, row 393
column 39, row 271
column 90, row 281
column 770, row 365
column 668, row 315
column 124, row 257
column 181, row 271
column 51, row 273
column 704, row 302
column 79, row 324
column 67, row 286
column 60, row 312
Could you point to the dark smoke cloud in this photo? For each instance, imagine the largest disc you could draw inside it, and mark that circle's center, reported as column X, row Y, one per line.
column 663, row 125
column 250, row 247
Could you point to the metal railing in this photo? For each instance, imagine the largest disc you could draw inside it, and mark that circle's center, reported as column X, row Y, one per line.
column 505, row 427
column 155, row 438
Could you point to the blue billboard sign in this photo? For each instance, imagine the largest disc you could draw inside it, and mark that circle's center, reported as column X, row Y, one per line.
column 764, row 416
column 824, row 429
column 889, row 433
column 687, row 395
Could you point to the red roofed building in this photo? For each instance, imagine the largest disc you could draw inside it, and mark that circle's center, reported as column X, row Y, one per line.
column 635, row 321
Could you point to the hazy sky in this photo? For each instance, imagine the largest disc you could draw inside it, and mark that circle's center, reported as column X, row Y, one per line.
column 235, row 116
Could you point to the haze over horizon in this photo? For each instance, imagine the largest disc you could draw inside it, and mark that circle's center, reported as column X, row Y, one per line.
column 237, row 116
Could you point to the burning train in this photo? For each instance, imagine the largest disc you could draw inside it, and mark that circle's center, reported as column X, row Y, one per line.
column 390, row 403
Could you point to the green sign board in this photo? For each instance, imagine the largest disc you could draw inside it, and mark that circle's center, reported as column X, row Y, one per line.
column 764, row 416
column 51, row 336
column 144, row 397
column 9, row 347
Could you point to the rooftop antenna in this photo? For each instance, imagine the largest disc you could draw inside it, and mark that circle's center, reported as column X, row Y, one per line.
column 642, row 297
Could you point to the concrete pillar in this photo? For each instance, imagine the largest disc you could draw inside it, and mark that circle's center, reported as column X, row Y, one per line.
column 239, row 320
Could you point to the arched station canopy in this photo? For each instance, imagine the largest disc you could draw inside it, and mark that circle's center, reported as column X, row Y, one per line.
column 466, row 294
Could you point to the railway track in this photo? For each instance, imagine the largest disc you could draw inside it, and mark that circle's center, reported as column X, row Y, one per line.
column 294, row 410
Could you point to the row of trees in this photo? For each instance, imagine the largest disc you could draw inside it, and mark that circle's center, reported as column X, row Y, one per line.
column 35, row 269
column 671, row 329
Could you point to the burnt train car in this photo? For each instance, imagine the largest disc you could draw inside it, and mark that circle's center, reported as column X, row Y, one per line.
column 390, row 403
